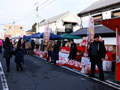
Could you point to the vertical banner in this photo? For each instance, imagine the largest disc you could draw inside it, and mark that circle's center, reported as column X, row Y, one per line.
column 118, row 41
column 90, row 31
column 46, row 35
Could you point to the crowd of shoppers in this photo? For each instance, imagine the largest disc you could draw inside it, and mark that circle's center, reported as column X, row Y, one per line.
column 23, row 47
column 96, row 53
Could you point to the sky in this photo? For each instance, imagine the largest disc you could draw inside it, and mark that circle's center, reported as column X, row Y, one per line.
column 23, row 11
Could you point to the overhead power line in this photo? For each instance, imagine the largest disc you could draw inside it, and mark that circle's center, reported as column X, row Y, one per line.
column 27, row 14
column 31, row 12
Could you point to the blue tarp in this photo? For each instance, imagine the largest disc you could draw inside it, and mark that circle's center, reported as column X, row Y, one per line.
column 52, row 36
column 34, row 35
column 41, row 35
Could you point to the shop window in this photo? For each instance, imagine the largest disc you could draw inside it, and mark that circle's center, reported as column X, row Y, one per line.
column 15, row 27
column 116, row 13
column 19, row 27
column 97, row 17
column 10, row 27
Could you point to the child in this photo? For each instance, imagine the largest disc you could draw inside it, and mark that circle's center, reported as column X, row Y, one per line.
column 19, row 58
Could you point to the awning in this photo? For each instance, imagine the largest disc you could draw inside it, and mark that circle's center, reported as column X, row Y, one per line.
column 100, row 30
column 113, row 23
column 41, row 35
column 68, row 36
column 34, row 35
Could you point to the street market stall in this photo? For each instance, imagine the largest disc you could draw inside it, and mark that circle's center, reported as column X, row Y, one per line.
column 114, row 24
column 69, row 36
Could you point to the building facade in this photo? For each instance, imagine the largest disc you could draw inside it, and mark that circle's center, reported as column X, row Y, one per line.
column 102, row 9
column 29, row 32
column 13, row 31
column 57, row 23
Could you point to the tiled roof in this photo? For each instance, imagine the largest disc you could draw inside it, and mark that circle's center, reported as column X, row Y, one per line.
column 53, row 19
column 99, row 4
column 98, row 30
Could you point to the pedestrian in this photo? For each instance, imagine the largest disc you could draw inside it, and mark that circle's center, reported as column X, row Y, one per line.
column 96, row 53
column 55, row 53
column 27, row 46
column 49, row 49
column 73, row 51
column 33, row 45
column 19, row 43
column 19, row 58
column 23, row 45
column 7, row 52
column 1, row 45
column 42, row 45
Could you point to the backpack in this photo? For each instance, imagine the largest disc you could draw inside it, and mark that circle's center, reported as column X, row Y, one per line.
column 19, row 55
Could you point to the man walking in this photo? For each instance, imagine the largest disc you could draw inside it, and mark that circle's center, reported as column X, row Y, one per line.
column 96, row 53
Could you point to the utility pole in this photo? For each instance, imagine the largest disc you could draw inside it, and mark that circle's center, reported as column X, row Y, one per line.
column 37, row 4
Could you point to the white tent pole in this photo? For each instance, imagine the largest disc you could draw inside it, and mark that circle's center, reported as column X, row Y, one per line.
column 116, row 44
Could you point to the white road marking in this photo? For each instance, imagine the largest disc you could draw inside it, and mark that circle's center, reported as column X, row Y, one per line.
column 3, row 78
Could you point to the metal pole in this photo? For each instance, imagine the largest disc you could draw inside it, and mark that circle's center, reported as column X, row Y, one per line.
column 37, row 15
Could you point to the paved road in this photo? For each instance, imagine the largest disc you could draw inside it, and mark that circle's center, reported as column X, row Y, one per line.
column 41, row 76
column 0, row 85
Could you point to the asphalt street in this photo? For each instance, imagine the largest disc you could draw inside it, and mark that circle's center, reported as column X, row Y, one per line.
column 37, row 75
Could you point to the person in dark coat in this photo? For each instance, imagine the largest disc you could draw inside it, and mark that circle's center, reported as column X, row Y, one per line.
column 19, row 58
column 32, row 44
column 19, row 43
column 7, row 54
column 55, row 53
column 23, row 45
column 42, row 45
column 96, row 53
column 73, row 51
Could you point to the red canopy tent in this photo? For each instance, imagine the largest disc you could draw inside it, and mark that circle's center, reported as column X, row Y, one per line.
column 114, row 24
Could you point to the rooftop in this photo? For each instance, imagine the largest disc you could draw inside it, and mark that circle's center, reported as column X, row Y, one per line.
column 101, row 4
column 53, row 19
column 101, row 30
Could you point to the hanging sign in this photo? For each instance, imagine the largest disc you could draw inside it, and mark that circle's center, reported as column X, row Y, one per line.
column 46, row 35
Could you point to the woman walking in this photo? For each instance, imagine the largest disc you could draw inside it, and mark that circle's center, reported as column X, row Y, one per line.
column 7, row 52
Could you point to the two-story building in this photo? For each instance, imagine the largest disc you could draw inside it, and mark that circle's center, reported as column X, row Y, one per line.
column 102, row 9
column 29, row 32
column 60, row 23
column 13, row 31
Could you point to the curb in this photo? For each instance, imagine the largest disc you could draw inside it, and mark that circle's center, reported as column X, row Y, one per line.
column 106, row 82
